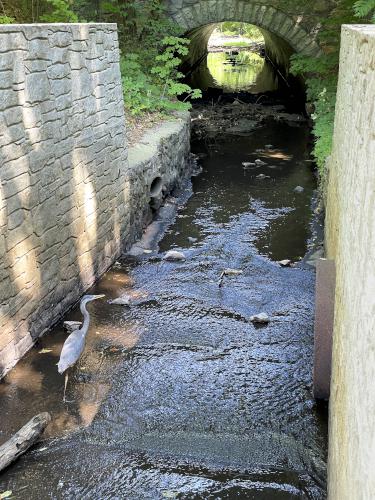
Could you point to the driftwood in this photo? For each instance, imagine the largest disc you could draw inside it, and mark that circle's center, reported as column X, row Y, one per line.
column 23, row 439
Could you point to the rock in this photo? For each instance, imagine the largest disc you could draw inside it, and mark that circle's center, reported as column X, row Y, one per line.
column 70, row 326
column 261, row 318
column 228, row 272
column 192, row 240
column 232, row 272
column 243, row 126
column 260, row 162
column 314, row 257
column 248, row 164
column 121, row 301
column 298, row 189
column 268, row 146
column 272, row 166
column 263, row 176
column 284, row 263
column 174, row 255
column 132, row 299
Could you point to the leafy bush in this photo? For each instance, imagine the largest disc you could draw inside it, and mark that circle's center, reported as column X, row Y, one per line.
column 321, row 74
column 59, row 11
column 157, row 90
column 365, row 9
column 7, row 20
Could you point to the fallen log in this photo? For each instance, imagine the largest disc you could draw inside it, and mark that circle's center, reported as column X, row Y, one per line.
column 23, row 439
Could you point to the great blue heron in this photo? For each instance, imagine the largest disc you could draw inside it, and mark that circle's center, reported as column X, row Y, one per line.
column 75, row 343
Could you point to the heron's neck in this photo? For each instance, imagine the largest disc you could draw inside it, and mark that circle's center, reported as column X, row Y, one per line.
column 86, row 318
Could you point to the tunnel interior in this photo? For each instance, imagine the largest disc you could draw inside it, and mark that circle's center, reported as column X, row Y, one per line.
column 271, row 63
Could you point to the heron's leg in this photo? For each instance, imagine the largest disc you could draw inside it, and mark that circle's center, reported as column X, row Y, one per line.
column 66, row 383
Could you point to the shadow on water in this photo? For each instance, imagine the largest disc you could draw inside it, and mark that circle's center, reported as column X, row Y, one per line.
column 181, row 396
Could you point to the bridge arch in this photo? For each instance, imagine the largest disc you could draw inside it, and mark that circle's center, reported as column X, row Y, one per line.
column 289, row 28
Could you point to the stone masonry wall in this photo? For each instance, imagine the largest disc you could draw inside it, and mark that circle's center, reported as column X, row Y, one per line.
column 70, row 198
column 63, row 172
column 350, row 241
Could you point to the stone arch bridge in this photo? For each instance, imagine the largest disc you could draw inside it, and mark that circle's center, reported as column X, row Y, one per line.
column 288, row 26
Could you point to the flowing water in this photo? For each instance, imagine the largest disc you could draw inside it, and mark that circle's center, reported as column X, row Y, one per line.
column 180, row 395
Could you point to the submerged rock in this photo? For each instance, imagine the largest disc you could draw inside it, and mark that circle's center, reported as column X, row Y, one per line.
column 285, row 263
column 121, row 301
column 298, row 189
column 248, row 164
column 260, row 162
column 192, row 240
column 135, row 299
column 263, row 176
column 261, row 318
column 232, row 272
column 269, row 146
column 229, row 272
column 174, row 255
column 71, row 326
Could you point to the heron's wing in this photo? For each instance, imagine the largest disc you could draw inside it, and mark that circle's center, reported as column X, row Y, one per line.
column 71, row 351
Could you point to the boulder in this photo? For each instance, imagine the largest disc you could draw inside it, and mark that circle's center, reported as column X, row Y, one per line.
column 174, row 256
column 261, row 318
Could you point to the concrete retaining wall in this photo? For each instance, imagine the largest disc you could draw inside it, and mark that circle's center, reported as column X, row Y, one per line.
column 69, row 199
column 350, row 241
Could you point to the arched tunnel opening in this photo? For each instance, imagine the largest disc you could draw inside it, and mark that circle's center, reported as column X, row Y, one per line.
column 252, row 127
column 237, row 58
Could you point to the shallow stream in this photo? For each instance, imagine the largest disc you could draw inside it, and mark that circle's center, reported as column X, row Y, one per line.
column 180, row 395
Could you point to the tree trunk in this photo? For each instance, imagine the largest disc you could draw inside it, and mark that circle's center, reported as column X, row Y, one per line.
column 23, row 439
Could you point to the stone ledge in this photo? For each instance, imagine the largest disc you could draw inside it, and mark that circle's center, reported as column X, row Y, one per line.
column 149, row 144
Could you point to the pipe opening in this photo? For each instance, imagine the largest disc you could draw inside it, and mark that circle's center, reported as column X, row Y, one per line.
column 156, row 187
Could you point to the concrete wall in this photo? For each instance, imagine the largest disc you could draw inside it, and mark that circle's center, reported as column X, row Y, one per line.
column 69, row 199
column 62, row 145
column 350, row 241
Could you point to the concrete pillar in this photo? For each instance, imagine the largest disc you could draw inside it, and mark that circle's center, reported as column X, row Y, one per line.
column 350, row 240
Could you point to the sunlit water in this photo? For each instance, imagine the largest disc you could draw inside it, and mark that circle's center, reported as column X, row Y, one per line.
column 246, row 72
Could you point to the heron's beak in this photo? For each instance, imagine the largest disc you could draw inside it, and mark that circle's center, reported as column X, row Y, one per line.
column 98, row 297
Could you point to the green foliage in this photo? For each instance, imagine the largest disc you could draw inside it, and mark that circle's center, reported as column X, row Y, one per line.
column 151, row 53
column 321, row 74
column 157, row 90
column 59, row 11
column 244, row 29
column 7, row 19
column 236, row 44
column 365, row 9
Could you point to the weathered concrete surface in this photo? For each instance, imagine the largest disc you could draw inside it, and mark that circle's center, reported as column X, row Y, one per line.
column 70, row 201
column 323, row 329
column 350, row 240
column 162, row 153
